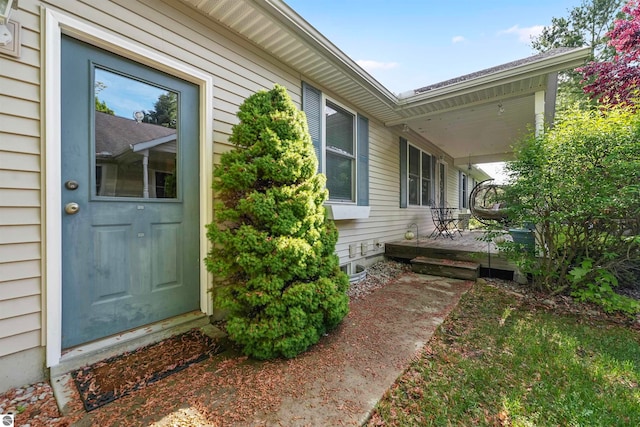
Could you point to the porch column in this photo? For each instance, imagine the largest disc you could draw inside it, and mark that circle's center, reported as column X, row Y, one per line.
column 145, row 174
column 539, row 112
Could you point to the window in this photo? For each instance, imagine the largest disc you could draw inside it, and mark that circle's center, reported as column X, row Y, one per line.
column 464, row 190
column 340, row 152
column 341, row 143
column 130, row 143
column 417, row 175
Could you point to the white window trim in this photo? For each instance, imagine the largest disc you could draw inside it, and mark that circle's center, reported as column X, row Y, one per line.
column 433, row 173
column 337, row 211
column 323, row 153
column 55, row 24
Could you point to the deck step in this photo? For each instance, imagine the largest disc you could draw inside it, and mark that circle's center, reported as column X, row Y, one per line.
column 455, row 269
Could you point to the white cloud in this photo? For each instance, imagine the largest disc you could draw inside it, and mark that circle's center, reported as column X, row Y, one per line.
column 524, row 34
column 457, row 39
column 376, row 65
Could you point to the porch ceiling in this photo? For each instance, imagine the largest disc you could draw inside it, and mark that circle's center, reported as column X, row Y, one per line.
column 478, row 117
column 459, row 116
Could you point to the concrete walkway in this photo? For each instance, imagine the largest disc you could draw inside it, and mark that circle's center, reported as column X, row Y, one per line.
column 381, row 336
column 338, row 382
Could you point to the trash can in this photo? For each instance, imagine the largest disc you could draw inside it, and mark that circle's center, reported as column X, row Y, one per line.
column 524, row 237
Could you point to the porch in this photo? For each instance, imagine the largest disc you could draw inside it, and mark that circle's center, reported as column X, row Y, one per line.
column 466, row 247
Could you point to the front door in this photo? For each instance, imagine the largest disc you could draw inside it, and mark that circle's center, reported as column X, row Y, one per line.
column 130, row 196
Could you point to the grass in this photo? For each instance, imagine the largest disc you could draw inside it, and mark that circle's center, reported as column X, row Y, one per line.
column 499, row 362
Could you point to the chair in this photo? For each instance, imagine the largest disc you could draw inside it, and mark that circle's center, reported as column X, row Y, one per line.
column 444, row 222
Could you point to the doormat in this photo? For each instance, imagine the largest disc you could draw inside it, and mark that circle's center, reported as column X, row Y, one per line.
column 113, row 378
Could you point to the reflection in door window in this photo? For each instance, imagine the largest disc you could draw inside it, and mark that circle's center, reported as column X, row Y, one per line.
column 136, row 141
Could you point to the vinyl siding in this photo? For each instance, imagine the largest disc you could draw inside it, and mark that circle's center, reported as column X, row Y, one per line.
column 453, row 187
column 20, row 198
column 238, row 69
column 387, row 221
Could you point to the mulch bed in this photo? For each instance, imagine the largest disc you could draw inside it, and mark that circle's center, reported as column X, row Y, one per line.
column 112, row 378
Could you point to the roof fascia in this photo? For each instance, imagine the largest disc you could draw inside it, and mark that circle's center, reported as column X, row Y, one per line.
column 140, row 146
column 555, row 63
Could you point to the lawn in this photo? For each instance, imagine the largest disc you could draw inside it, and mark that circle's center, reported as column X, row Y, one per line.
column 503, row 360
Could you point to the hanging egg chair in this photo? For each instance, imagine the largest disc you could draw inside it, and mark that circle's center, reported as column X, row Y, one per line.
column 486, row 203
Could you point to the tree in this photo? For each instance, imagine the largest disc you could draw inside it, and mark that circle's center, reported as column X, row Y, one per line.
column 165, row 111
column 618, row 79
column 101, row 105
column 273, row 256
column 579, row 183
column 586, row 25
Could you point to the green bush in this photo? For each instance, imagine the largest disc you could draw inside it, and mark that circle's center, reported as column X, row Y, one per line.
column 273, row 250
column 579, row 183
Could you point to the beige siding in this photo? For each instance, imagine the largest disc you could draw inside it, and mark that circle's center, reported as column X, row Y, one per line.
column 387, row 221
column 18, row 143
column 238, row 69
column 20, row 198
column 453, row 187
column 19, row 342
column 21, row 288
column 19, row 325
column 20, row 215
column 10, row 235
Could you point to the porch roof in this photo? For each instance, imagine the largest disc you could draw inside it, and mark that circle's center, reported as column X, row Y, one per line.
column 460, row 116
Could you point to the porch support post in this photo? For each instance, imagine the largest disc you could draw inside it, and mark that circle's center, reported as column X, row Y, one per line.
column 539, row 112
column 145, row 174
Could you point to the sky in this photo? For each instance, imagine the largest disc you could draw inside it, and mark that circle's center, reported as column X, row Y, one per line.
column 124, row 95
column 408, row 44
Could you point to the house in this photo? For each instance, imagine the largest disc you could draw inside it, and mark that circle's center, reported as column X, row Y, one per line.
column 94, row 251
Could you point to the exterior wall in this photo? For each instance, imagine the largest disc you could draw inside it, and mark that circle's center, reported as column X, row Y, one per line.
column 21, row 311
column 453, row 187
column 387, row 222
column 238, row 69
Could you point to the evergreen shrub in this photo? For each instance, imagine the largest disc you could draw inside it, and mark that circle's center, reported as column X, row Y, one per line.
column 273, row 249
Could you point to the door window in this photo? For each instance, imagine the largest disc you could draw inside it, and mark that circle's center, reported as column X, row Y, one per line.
column 136, row 141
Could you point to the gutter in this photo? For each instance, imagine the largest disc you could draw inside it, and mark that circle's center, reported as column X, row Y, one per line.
column 560, row 62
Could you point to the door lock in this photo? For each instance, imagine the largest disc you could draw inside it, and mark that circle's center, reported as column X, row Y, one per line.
column 71, row 185
column 71, row 208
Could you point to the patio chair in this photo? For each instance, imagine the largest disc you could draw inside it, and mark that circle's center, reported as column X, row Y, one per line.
column 444, row 222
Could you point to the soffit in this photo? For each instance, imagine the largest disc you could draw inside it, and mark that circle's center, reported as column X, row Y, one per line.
column 479, row 117
column 277, row 29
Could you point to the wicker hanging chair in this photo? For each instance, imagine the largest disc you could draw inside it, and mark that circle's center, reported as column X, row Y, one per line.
column 485, row 203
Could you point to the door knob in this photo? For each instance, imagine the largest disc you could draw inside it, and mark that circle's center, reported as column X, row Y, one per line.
column 71, row 208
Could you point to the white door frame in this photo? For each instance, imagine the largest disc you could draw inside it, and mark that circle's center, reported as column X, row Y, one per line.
column 55, row 24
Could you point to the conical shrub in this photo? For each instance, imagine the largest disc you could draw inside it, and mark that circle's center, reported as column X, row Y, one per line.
column 273, row 250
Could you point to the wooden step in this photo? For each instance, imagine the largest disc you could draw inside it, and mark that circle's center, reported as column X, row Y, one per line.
column 455, row 269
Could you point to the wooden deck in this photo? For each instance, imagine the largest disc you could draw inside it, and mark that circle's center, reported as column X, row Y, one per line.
column 461, row 248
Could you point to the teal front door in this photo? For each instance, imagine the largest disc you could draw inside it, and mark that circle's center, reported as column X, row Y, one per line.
column 130, row 197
